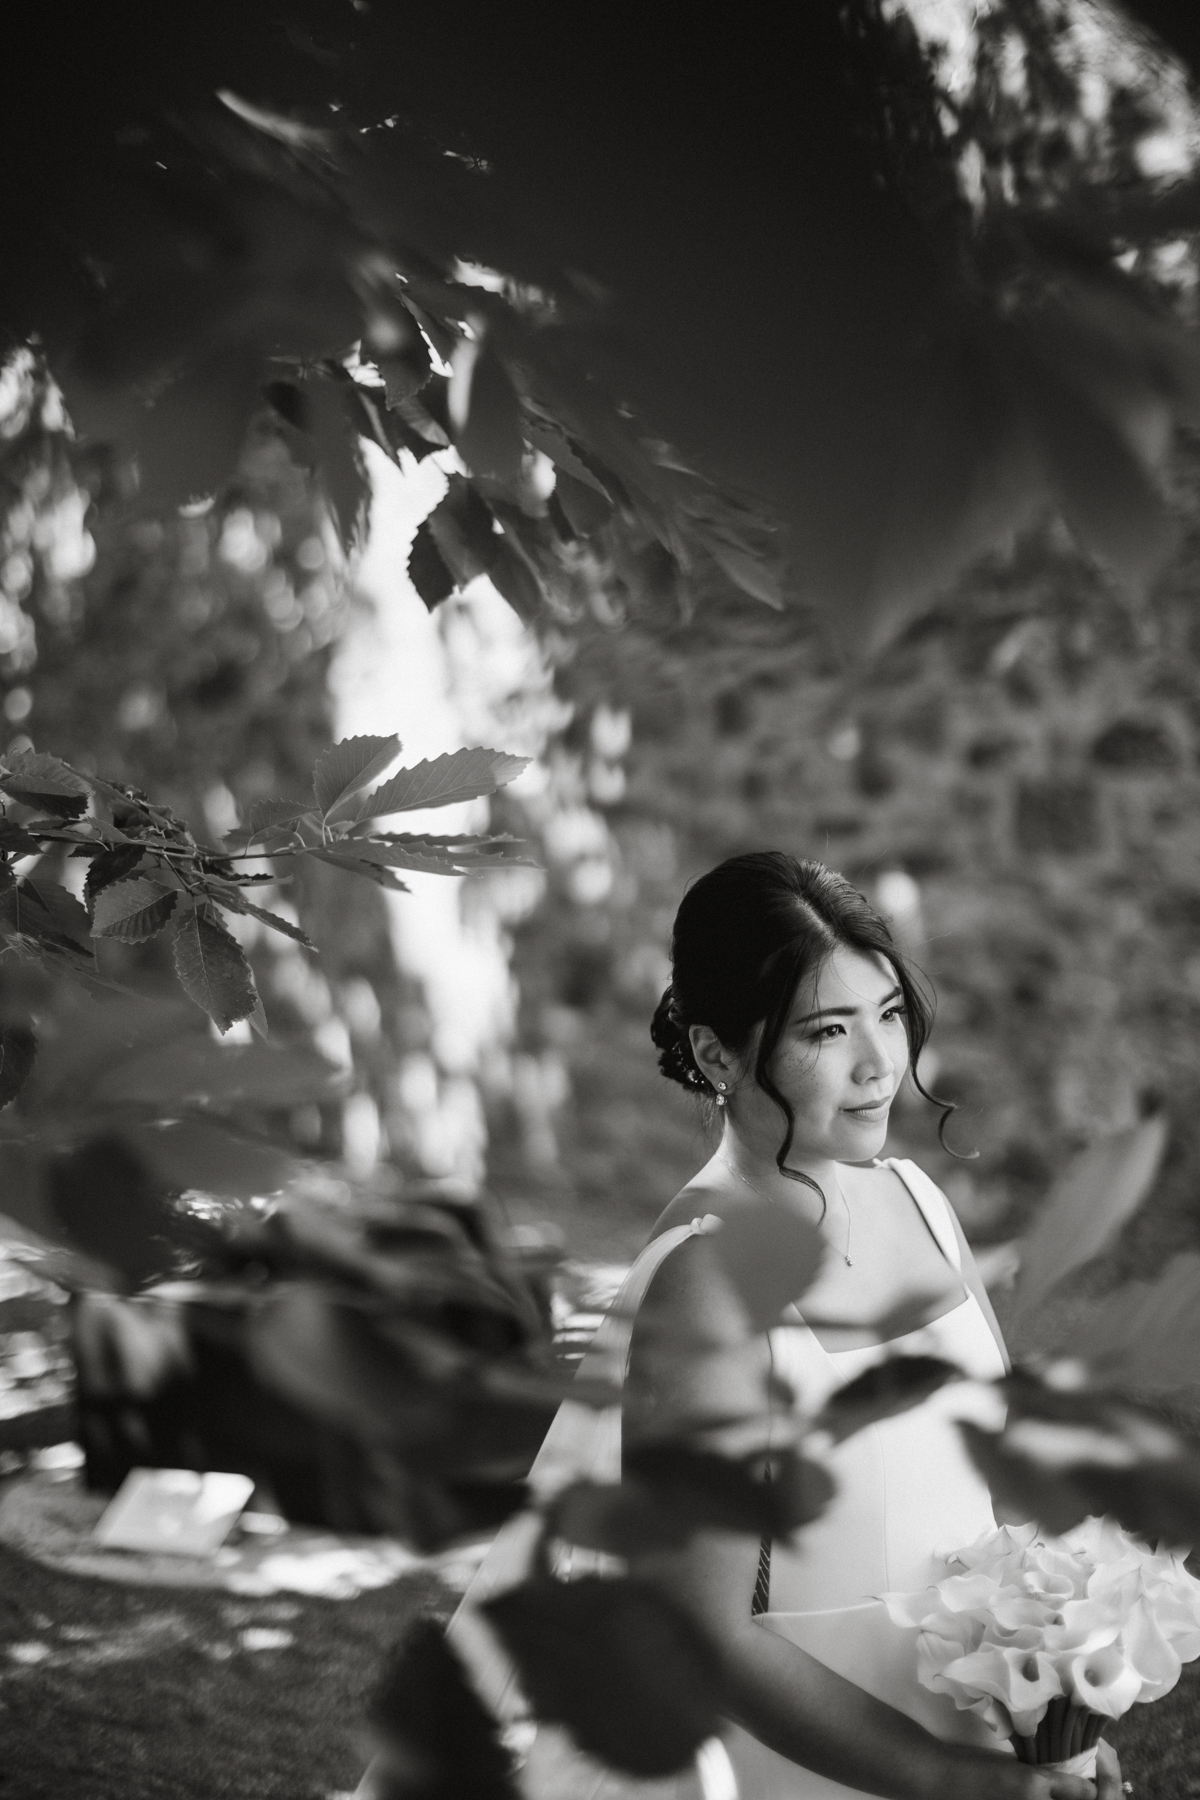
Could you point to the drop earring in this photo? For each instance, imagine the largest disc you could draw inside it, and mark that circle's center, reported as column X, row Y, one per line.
column 721, row 1087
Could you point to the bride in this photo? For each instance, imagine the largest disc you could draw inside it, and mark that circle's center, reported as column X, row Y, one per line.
column 792, row 1011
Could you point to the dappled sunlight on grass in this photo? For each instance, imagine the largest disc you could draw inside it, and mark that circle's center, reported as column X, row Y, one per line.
column 111, row 1692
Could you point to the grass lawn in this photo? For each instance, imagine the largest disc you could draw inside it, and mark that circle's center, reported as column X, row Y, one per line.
column 123, row 1693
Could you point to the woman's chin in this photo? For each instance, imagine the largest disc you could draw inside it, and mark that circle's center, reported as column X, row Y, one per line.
column 864, row 1134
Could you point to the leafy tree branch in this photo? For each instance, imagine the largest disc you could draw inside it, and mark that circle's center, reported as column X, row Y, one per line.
column 147, row 873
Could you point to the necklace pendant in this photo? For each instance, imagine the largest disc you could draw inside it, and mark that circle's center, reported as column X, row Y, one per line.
column 848, row 1261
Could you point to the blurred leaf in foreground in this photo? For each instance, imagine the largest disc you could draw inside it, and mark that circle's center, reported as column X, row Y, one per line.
column 434, row 1740
column 617, row 1663
column 768, row 1255
column 1098, row 1191
column 892, row 1386
column 1068, row 1452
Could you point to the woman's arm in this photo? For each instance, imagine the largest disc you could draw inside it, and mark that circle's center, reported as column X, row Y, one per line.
column 803, row 1710
column 692, row 1359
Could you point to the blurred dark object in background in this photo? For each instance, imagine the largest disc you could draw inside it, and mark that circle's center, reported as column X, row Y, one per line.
column 164, row 1381
column 186, row 1374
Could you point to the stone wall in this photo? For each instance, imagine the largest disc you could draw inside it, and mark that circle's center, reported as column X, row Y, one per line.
column 1026, row 756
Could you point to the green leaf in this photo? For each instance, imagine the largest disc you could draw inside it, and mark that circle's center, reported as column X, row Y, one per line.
column 429, row 1717
column 373, row 421
column 463, row 527
column 517, row 582
column 18, row 1050
column 194, row 1071
column 265, row 815
column 327, row 1358
column 1107, row 487
column 1064, row 1456
column 270, row 823
column 443, row 781
column 40, row 1247
column 324, row 415
column 236, row 901
column 703, row 1491
column 586, row 508
column 567, row 460
column 44, row 781
column 188, row 441
column 340, row 466
column 1144, row 1336
column 208, row 1154
column 1098, row 1191
column 111, row 865
column 405, row 374
column 439, row 855
column 213, row 970
column 46, row 917
column 420, row 420
column 16, row 840
column 133, row 911
column 757, row 575
column 768, row 1255
column 288, row 401
column 892, row 1386
column 360, row 865
column 111, row 1206
column 618, row 1663
column 625, row 1518
column 486, row 414
column 349, row 767
column 69, row 917
column 91, row 1036
column 427, row 568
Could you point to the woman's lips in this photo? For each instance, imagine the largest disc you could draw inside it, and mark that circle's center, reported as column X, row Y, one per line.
column 870, row 1114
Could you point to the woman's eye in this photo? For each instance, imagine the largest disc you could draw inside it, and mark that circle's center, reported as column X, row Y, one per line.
column 831, row 1030
column 895, row 1012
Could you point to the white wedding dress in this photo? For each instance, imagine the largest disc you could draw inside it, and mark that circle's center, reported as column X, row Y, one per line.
column 906, row 1491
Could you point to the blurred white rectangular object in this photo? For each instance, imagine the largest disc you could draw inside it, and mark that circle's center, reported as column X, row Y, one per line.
column 173, row 1512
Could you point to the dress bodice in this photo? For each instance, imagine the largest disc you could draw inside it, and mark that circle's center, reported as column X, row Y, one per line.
column 906, row 1487
column 905, row 1491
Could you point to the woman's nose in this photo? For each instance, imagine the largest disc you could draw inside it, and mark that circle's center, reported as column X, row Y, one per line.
column 875, row 1058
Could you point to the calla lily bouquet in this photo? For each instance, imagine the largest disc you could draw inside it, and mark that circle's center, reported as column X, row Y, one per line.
column 1047, row 1638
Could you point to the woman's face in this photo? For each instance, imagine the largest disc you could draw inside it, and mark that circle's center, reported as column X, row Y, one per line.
column 840, row 1058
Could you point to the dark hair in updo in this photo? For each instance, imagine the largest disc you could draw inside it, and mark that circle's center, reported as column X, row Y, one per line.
column 746, row 935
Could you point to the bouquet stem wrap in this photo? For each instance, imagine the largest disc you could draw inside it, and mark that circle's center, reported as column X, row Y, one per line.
column 1066, row 1739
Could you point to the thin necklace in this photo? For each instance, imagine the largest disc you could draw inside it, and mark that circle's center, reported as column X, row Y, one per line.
column 844, row 1254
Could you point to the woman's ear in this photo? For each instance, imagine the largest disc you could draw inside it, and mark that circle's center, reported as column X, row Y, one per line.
column 712, row 1058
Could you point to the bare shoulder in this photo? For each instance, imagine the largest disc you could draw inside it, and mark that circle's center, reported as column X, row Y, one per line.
column 691, row 1356
column 688, row 1290
column 700, row 1200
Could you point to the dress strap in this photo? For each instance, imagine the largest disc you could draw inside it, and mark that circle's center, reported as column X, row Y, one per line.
column 933, row 1205
column 616, row 1329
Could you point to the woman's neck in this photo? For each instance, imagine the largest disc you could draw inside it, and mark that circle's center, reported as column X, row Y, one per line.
column 756, row 1164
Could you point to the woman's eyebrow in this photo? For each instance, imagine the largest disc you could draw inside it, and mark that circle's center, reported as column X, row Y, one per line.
column 846, row 1012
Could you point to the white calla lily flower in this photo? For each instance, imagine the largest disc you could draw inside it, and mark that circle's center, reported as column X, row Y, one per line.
column 1104, row 1682
column 1022, row 1680
column 1095, row 1616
